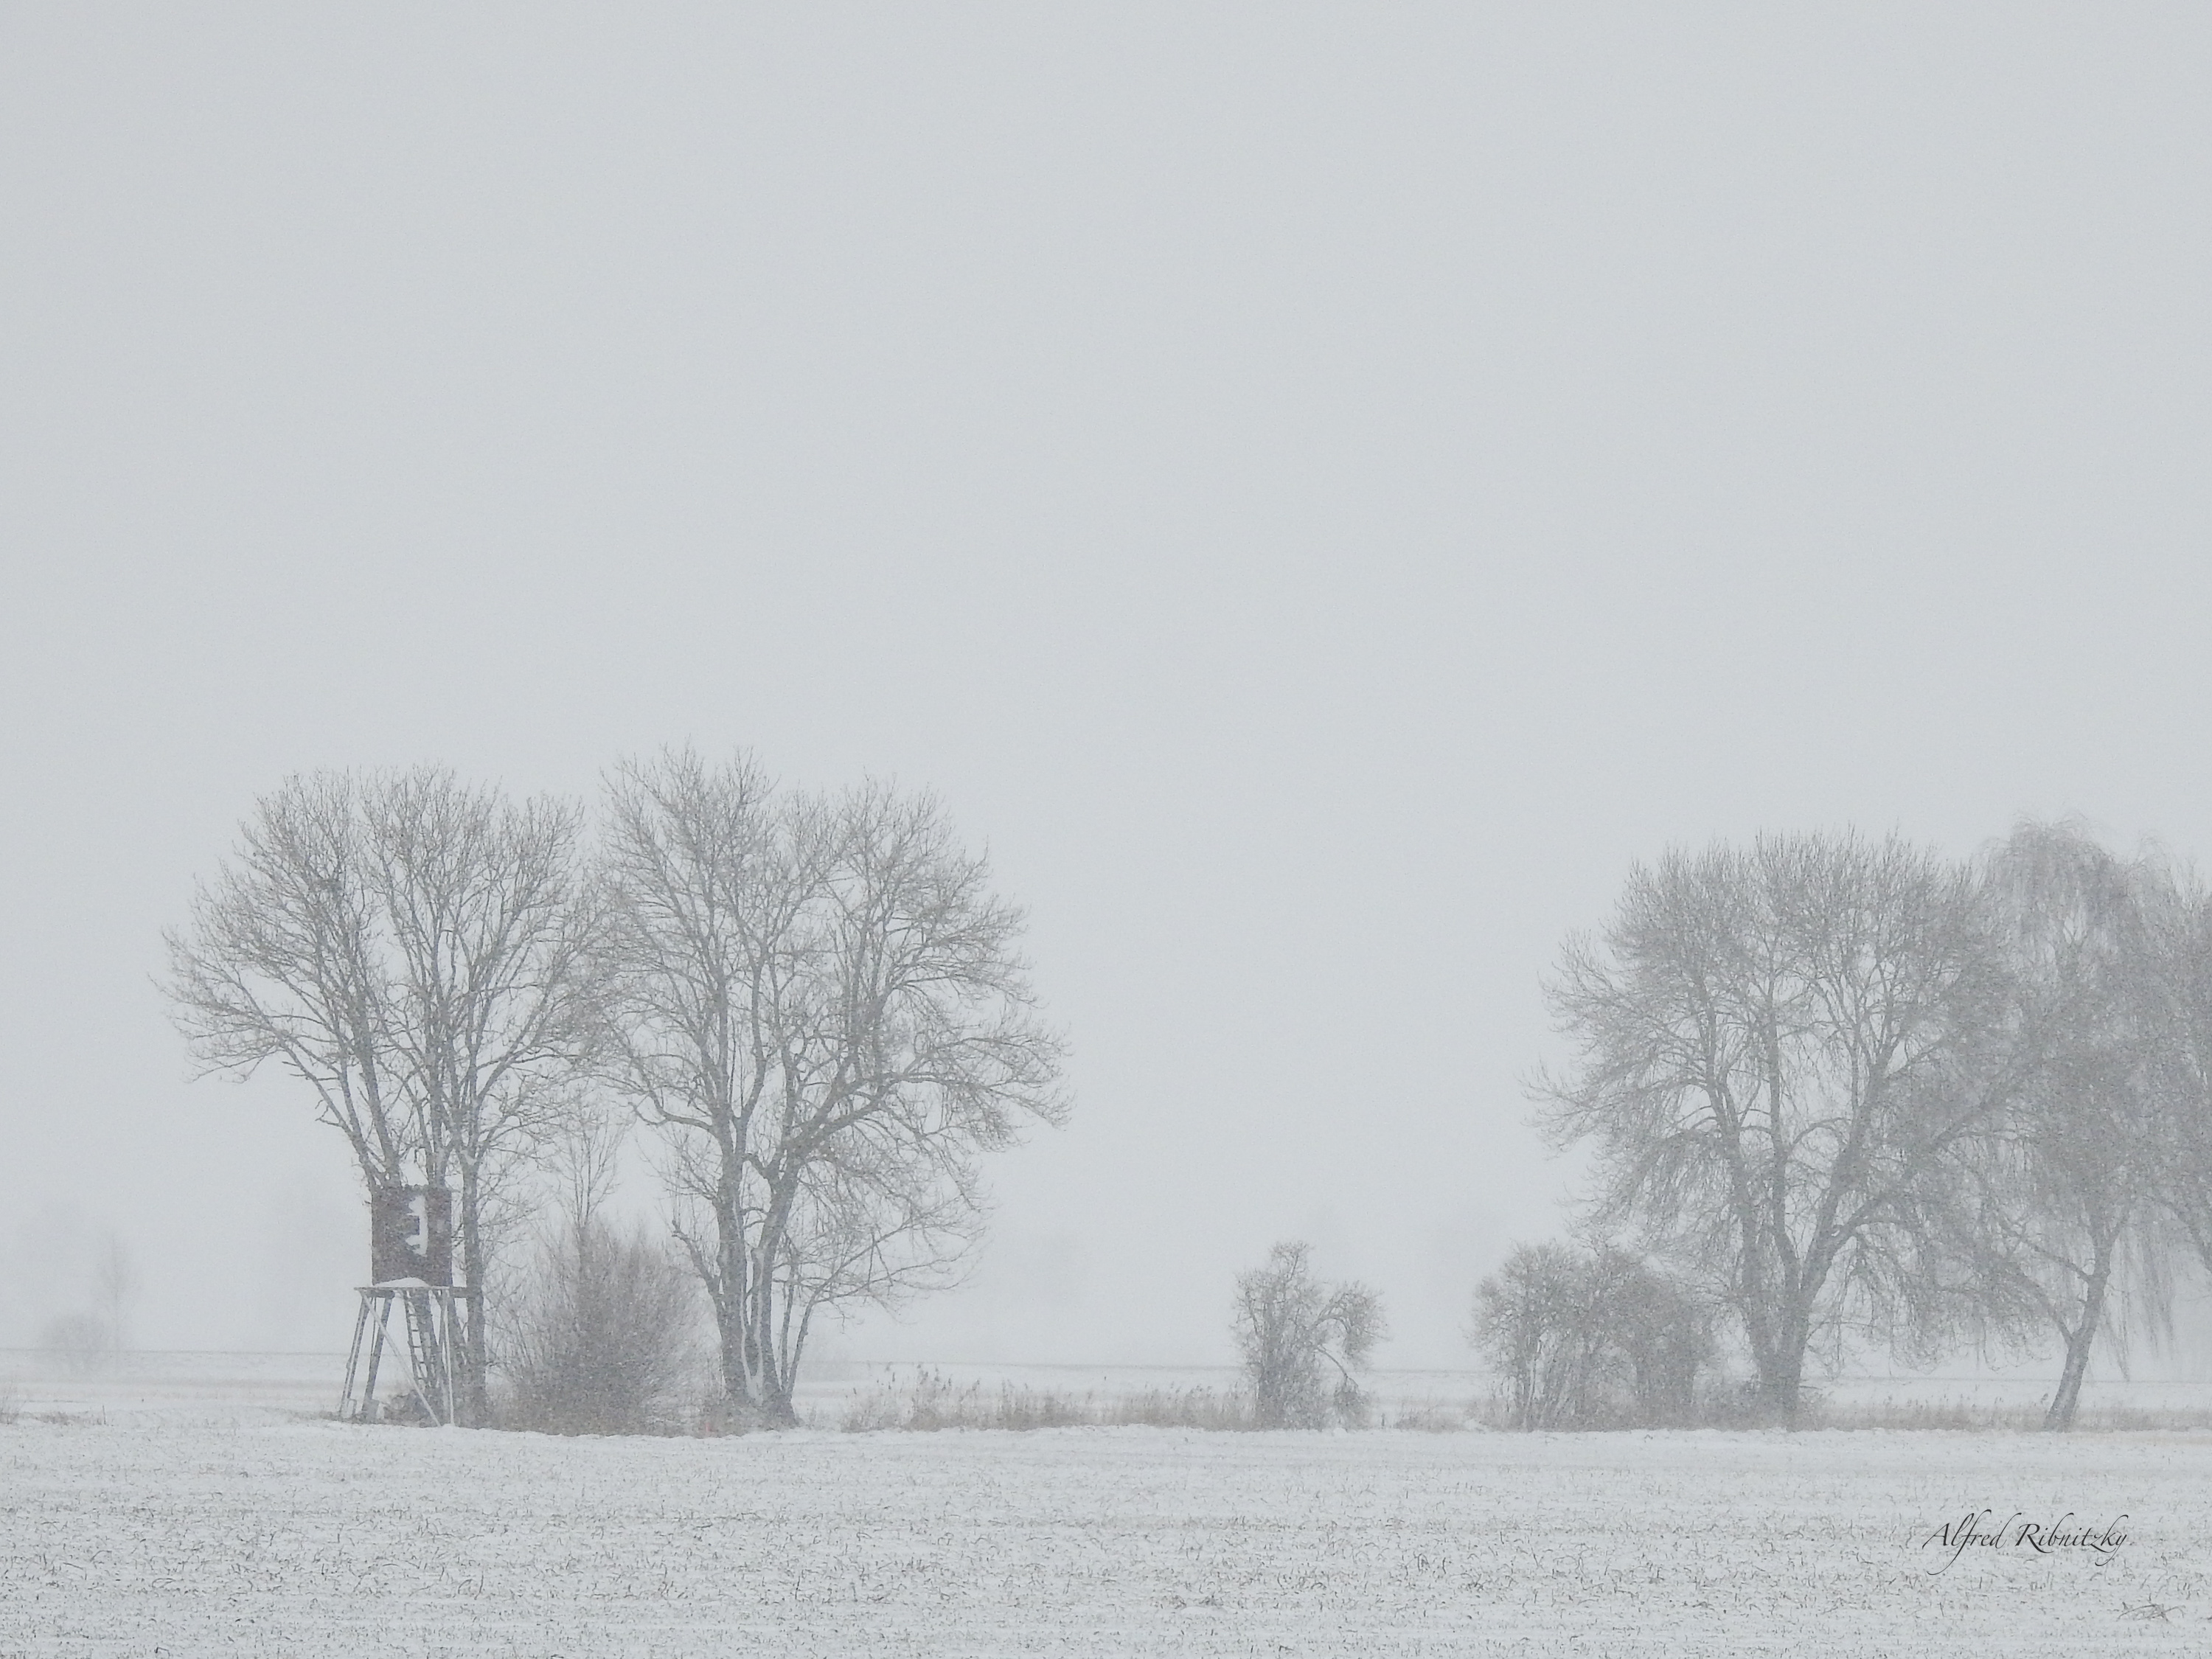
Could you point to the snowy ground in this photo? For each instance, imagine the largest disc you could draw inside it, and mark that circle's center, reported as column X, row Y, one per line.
column 203, row 1526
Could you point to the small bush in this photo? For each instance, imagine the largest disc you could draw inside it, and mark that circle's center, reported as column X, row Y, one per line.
column 1430, row 1418
column 86, row 1344
column 1293, row 1331
column 11, row 1402
column 1593, row 1339
column 603, row 1338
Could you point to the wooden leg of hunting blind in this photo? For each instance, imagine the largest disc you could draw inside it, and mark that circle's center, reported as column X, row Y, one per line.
column 447, row 1374
column 375, row 1353
column 451, row 1329
column 353, row 1361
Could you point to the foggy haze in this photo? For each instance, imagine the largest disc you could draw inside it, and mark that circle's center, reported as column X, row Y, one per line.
column 1319, row 495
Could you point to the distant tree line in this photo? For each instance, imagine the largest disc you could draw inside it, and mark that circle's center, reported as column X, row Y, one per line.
column 814, row 1001
column 1845, row 1092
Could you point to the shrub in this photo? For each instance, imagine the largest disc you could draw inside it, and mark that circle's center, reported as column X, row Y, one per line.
column 603, row 1338
column 1293, row 1331
column 1592, row 1339
column 1429, row 1418
column 85, row 1344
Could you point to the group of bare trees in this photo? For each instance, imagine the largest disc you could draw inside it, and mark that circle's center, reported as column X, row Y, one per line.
column 1839, row 1090
column 1593, row 1338
column 1850, row 1091
column 815, row 1000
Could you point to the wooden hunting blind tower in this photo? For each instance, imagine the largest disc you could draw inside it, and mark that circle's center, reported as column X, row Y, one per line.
column 410, row 1254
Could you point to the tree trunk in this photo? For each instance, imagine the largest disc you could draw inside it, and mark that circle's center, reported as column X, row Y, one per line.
column 1781, row 1378
column 772, row 1381
column 2059, row 1418
column 733, row 1306
column 474, row 1396
column 777, row 1411
column 771, row 1384
column 737, row 1393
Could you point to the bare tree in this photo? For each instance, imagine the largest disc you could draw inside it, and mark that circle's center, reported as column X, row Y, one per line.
column 1770, row 1044
column 1534, row 1323
column 581, row 1156
column 410, row 947
column 1292, row 1331
column 115, row 1282
column 488, row 926
column 2050, row 1211
column 819, row 1002
column 2176, row 915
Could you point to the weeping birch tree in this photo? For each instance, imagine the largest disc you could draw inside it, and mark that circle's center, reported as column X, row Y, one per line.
column 820, row 1004
column 2177, row 921
column 2050, row 1215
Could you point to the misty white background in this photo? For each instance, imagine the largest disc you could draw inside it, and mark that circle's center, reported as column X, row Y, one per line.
column 1320, row 491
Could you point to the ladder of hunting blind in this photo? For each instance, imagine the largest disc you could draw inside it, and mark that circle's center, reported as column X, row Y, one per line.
column 426, row 1343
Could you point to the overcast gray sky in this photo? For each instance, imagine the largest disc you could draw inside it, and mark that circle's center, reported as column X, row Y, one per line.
column 1319, row 490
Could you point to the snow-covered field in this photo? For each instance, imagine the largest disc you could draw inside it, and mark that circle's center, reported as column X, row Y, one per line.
column 201, row 1525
